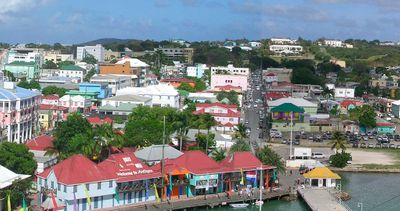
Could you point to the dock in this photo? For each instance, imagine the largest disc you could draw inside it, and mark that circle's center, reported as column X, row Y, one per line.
column 209, row 201
column 319, row 199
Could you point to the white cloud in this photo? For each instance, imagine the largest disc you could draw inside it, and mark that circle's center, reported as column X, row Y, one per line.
column 11, row 6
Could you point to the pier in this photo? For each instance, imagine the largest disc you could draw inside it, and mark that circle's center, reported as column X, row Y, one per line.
column 210, row 201
column 319, row 199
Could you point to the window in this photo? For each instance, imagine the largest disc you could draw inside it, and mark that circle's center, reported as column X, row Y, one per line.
column 40, row 181
column 130, row 197
column 99, row 186
column 52, row 185
column 84, row 202
column 96, row 202
column 75, row 189
column 65, row 188
column 58, row 186
column 110, row 184
column 88, row 187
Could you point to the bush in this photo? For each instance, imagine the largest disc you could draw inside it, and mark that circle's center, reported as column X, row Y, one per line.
column 340, row 160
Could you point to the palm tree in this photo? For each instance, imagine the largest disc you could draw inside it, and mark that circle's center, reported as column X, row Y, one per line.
column 240, row 131
column 269, row 157
column 338, row 142
column 240, row 146
column 218, row 154
column 327, row 93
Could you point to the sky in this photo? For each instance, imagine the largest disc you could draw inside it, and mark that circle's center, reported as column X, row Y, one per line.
column 76, row 21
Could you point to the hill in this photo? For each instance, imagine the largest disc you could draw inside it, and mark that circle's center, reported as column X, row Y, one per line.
column 105, row 41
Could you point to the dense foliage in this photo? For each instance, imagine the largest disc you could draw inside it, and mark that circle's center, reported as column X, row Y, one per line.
column 232, row 96
column 340, row 160
column 49, row 65
column 50, row 90
column 29, row 84
column 365, row 115
column 269, row 157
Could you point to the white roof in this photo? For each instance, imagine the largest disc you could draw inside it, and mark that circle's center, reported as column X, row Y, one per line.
column 133, row 62
column 73, row 98
column 7, row 177
column 159, row 89
column 397, row 102
column 300, row 102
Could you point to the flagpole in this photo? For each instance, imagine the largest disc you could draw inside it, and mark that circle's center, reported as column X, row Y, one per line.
column 162, row 163
column 261, row 175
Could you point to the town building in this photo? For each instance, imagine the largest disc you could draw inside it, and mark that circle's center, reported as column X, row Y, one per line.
column 72, row 71
column 282, row 74
column 385, row 127
column 218, row 80
column 115, row 82
column 161, row 94
column 101, row 89
column 61, row 82
column 347, row 105
column 309, row 107
column 95, row 120
column 384, row 105
column 23, row 70
column 270, row 77
column 282, row 41
column 227, row 116
column 228, row 88
column 50, row 114
column 344, row 92
column 321, row 177
column 230, row 69
column 178, row 53
column 254, row 44
column 28, row 55
column 75, row 103
column 196, row 71
column 341, row 63
column 153, row 154
column 18, row 113
column 177, row 82
column 50, row 99
column 286, row 49
column 57, row 56
column 127, row 66
column 123, row 104
column 39, row 146
column 396, row 108
column 97, row 51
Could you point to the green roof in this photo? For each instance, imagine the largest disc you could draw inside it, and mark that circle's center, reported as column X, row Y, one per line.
column 75, row 92
column 22, row 63
column 287, row 107
column 71, row 67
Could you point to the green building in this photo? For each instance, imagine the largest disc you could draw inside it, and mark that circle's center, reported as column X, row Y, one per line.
column 20, row 69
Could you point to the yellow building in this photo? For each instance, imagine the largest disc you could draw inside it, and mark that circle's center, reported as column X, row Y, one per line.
column 321, row 177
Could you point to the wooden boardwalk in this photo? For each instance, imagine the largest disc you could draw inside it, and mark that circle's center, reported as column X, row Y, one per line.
column 213, row 200
column 319, row 199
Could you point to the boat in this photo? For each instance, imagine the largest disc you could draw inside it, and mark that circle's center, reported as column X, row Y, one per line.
column 258, row 203
column 242, row 205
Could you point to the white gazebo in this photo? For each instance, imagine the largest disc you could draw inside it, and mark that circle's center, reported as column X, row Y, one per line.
column 7, row 177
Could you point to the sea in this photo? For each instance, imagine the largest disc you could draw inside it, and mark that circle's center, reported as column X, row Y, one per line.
column 371, row 191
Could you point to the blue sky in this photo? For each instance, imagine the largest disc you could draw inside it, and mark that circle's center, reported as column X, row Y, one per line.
column 74, row 21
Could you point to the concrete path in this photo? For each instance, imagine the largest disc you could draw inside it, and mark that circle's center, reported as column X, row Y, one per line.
column 321, row 200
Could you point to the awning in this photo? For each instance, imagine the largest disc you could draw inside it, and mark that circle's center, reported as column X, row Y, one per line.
column 48, row 204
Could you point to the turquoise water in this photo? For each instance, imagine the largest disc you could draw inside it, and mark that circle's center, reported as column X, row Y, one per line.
column 375, row 190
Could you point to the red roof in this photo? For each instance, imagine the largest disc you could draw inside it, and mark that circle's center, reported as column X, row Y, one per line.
column 52, row 107
column 77, row 169
column 177, row 80
column 227, row 125
column 229, row 114
column 385, row 124
column 228, row 87
column 346, row 103
column 206, row 105
column 40, row 143
column 127, row 167
column 276, row 95
column 96, row 120
column 270, row 74
column 242, row 161
column 51, row 97
column 197, row 163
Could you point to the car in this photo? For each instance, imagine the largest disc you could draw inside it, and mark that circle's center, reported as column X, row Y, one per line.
column 304, row 136
column 365, row 138
column 398, row 146
column 388, row 118
column 397, row 137
column 317, row 155
column 311, row 138
column 390, row 115
column 378, row 145
column 371, row 145
column 393, row 146
column 363, row 145
column 247, row 122
column 385, row 145
column 350, row 161
column 318, row 137
column 355, row 145
column 296, row 142
column 297, row 136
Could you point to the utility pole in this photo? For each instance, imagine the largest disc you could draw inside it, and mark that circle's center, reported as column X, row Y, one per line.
column 180, row 141
column 261, row 176
column 291, row 135
column 162, row 163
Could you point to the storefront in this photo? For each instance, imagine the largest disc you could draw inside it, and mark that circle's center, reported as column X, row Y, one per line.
column 204, row 184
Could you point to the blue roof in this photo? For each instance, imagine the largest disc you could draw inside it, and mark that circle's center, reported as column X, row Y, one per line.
column 18, row 92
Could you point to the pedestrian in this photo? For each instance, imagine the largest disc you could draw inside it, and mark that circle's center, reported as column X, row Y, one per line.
column 290, row 172
column 298, row 181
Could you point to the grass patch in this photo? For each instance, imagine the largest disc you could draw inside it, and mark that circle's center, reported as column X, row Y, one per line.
column 394, row 153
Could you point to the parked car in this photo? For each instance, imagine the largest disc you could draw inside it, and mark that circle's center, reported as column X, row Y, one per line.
column 397, row 137
column 371, row 145
column 284, row 141
column 311, row 138
column 385, row 145
column 304, row 136
column 398, row 146
column 355, row 145
column 296, row 142
column 363, row 145
column 393, row 146
column 378, row 145
column 317, row 155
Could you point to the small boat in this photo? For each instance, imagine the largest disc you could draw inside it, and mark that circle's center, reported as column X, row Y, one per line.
column 242, row 205
column 258, row 203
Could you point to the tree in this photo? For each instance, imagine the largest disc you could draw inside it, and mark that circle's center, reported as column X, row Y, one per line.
column 205, row 141
column 327, row 93
column 340, row 160
column 65, row 63
column 269, row 157
column 89, row 75
column 240, row 146
column 50, row 90
column 9, row 75
column 218, row 154
column 186, row 87
column 29, row 85
column 338, row 142
column 365, row 115
column 232, row 96
column 240, row 131
column 18, row 159
column 89, row 58
column 49, row 65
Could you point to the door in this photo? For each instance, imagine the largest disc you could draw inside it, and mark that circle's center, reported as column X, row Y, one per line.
column 324, row 183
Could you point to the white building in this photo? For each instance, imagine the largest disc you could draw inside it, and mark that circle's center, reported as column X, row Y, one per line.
column 286, row 49
column 57, row 56
column 115, row 82
column 343, row 92
column 230, row 69
column 75, row 103
column 282, row 41
column 72, row 71
column 196, row 71
column 255, row 44
column 130, row 99
column 25, row 55
column 97, row 51
column 161, row 94
column 333, row 43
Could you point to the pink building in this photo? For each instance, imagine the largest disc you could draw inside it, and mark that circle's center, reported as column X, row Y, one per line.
column 18, row 113
column 227, row 116
column 75, row 103
column 232, row 80
column 50, row 100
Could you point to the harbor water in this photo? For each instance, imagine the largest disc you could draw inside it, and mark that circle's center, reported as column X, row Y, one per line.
column 373, row 191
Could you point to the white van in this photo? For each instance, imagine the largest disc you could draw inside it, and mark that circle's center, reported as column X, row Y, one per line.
column 317, row 155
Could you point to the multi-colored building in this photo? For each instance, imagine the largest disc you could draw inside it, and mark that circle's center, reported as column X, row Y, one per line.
column 226, row 115
column 123, row 179
column 18, row 113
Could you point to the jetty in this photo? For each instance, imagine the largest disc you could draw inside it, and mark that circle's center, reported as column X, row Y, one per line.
column 319, row 199
column 209, row 201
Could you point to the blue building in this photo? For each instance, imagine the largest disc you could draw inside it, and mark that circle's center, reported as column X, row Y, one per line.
column 102, row 89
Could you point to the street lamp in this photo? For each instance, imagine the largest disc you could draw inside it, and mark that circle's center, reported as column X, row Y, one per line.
column 360, row 205
column 340, row 192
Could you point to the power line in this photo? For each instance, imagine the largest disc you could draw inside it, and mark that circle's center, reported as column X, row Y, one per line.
column 384, row 202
